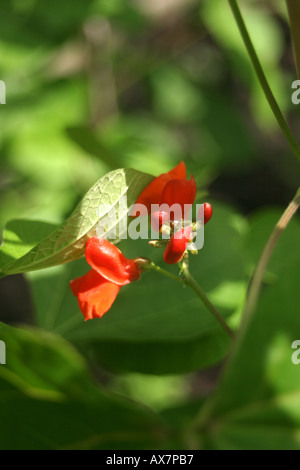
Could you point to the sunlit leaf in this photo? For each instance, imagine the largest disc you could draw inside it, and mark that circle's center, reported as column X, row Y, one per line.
column 68, row 241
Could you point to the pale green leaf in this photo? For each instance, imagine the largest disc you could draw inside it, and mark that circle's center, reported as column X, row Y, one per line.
column 68, row 241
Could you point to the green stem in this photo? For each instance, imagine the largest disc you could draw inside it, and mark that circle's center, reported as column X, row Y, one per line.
column 261, row 266
column 262, row 78
column 153, row 267
column 188, row 280
column 294, row 14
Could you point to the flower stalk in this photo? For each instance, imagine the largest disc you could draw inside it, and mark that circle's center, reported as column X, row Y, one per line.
column 191, row 282
column 188, row 280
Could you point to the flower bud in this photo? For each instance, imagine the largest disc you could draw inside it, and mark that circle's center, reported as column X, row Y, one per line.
column 208, row 211
column 177, row 245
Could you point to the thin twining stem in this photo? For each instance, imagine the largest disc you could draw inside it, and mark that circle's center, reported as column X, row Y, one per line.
column 262, row 79
column 261, row 266
column 294, row 14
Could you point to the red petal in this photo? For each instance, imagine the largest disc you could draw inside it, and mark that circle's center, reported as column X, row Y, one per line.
column 179, row 192
column 153, row 192
column 158, row 219
column 177, row 245
column 109, row 262
column 95, row 294
column 179, row 172
column 76, row 284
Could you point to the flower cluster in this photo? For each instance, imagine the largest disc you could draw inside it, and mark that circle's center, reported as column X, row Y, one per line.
column 172, row 189
column 97, row 290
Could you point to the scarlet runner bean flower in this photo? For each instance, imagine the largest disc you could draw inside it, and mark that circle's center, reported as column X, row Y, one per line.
column 182, row 192
column 177, row 245
column 179, row 241
column 169, row 188
column 172, row 188
column 98, row 288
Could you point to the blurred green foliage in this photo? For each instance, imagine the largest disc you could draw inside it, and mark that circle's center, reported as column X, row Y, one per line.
column 94, row 85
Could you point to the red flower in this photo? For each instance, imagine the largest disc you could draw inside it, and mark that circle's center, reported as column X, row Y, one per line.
column 153, row 192
column 179, row 192
column 95, row 294
column 97, row 289
column 177, row 245
column 169, row 188
column 110, row 263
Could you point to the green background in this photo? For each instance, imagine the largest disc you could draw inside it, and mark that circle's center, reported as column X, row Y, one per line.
column 97, row 85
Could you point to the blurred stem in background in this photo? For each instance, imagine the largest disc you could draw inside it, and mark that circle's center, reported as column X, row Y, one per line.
column 102, row 89
column 255, row 285
column 262, row 78
column 294, row 14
